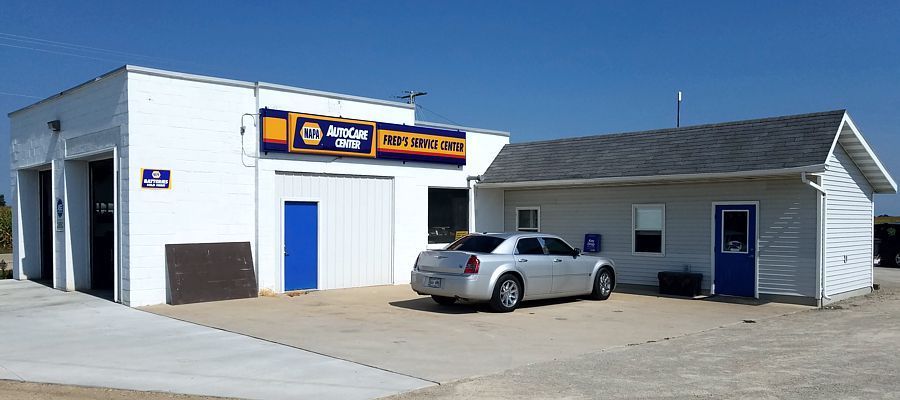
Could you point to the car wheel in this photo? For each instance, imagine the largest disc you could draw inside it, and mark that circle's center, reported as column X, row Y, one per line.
column 443, row 300
column 603, row 284
column 507, row 294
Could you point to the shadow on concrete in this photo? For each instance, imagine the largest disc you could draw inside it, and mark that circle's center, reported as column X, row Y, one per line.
column 46, row 282
column 428, row 305
column 106, row 294
column 654, row 292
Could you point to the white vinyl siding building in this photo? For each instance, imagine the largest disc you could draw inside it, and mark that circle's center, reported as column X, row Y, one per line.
column 849, row 208
column 791, row 245
column 787, row 234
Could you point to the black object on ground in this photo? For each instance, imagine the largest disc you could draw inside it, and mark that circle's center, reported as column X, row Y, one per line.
column 680, row 283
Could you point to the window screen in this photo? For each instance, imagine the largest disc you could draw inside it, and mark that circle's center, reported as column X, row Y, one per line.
column 528, row 219
column 649, row 227
column 448, row 213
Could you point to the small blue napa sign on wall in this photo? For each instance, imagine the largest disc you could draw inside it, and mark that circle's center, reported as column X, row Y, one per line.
column 155, row 178
column 591, row 243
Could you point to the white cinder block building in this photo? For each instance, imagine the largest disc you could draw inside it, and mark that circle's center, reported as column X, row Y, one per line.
column 330, row 190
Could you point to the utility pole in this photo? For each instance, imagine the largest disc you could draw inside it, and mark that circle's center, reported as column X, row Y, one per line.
column 411, row 95
column 678, row 111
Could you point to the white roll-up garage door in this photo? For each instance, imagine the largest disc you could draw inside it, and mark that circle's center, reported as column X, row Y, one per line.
column 355, row 225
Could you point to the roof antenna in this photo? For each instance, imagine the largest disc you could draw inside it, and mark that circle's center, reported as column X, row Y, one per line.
column 678, row 111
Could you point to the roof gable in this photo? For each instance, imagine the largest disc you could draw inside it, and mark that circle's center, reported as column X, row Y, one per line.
column 780, row 143
column 863, row 156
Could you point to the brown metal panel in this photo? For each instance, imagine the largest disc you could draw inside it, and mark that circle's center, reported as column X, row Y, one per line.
column 199, row 272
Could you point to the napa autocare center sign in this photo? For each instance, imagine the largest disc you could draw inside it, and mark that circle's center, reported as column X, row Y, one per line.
column 290, row 132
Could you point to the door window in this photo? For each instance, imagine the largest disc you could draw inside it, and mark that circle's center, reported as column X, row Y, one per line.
column 529, row 246
column 557, row 247
column 735, row 224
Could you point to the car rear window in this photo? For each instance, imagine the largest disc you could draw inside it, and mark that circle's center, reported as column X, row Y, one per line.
column 476, row 244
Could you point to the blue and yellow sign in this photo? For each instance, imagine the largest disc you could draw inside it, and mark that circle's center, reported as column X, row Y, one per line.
column 417, row 143
column 290, row 132
column 155, row 178
column 314, row 134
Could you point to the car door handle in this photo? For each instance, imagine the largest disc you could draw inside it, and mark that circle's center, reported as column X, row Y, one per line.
column 522, row 260
column 557, row 260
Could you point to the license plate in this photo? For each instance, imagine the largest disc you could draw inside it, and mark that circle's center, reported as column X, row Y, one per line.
column 433, row 282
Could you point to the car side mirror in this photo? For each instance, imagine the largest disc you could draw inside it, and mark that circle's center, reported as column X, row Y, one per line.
column 576, row 252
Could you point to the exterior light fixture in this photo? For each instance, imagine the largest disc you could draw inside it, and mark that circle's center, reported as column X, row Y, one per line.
column 54, row 125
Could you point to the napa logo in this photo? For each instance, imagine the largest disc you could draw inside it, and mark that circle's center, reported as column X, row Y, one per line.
column 311, row 133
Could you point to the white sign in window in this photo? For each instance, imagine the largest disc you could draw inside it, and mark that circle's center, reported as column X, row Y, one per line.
column 528, row 219
column 735, row 232
column 649, row 227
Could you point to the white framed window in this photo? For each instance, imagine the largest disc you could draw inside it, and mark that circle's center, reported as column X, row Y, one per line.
column 648, row 228
column 528, row 219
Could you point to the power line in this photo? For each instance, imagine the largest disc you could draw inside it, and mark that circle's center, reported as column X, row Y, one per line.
column 79, row 47
column 439, row 115
column 20, row 95
column 58, row 52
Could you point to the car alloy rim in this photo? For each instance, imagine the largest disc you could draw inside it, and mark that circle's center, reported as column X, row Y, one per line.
column 605, row 283
column 509, row 293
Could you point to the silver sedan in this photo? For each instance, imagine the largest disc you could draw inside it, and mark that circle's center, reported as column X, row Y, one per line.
column 506, row 268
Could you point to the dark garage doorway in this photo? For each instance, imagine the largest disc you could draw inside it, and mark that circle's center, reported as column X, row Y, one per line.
column 47, row 226
column 102, row 227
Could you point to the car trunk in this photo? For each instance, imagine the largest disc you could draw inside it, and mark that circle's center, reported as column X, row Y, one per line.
column 444, row 261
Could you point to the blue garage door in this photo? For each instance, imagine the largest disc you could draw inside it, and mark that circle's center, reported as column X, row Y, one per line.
column 301, row 245
column 735, row 251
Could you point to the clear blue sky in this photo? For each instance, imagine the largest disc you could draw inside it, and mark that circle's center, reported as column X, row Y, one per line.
column 538, row 69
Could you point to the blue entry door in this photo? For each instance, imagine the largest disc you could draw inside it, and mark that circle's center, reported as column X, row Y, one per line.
column 735, row 250
column 301, row 245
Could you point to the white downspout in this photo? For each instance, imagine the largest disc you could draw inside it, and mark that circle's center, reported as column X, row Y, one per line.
column 469, row 179
column 822, row 231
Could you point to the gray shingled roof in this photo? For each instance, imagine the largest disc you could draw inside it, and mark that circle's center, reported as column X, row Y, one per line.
column 753, row 145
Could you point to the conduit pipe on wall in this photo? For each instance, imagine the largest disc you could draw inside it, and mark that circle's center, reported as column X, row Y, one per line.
column 471, row 190
column 823, row 254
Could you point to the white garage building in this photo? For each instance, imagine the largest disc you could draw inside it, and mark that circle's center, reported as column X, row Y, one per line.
column 108, row 173
column 777, row 208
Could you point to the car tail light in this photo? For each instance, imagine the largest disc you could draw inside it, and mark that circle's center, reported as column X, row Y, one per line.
column 472, row 265
column 416, row 265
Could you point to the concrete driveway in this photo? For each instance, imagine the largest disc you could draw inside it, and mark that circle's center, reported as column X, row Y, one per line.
column 847, row 351
column 392, row 328
column 74, row 338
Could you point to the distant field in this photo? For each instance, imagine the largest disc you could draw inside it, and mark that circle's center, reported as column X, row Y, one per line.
column 886, row 220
